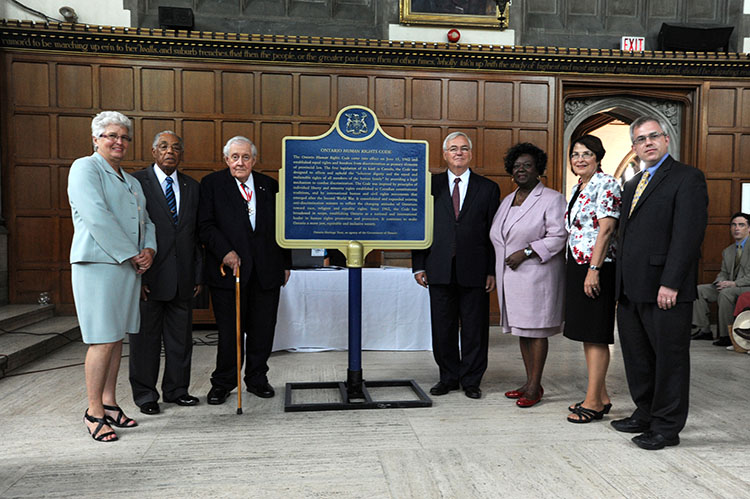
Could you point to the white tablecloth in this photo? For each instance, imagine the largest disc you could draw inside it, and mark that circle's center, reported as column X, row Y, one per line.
column 314, row 307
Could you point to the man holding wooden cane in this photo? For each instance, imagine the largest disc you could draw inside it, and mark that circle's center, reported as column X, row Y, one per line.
column 236, row 220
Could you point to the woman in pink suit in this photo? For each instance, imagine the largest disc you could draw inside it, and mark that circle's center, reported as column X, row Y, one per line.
column 529, row 236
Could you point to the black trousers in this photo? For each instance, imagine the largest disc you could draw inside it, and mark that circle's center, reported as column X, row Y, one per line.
column 170, row 322
column 450, row 304
column 656, row 350
column 258, row 308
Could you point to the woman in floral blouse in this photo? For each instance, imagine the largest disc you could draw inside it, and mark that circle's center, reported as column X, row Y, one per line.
column 591, row 220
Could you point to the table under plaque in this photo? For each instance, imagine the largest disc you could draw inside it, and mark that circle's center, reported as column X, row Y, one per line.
column 313, row 311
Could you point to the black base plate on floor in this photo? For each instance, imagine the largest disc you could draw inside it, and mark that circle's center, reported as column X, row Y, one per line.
column 361, row 399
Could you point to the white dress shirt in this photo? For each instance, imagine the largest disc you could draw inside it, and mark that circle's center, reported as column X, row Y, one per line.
column 462, row 185
column 162, row 178
column 250, row 186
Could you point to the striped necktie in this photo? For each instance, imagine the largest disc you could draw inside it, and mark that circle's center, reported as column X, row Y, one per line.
column 171, row 200
column 639, row 190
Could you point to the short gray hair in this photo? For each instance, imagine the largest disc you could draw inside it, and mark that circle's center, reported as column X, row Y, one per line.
column 102, row 120
column 642, row 121
column 164, row 132
column 452, row 136
column 239, row 138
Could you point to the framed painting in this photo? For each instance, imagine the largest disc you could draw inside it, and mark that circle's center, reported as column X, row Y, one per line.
column 476, row 13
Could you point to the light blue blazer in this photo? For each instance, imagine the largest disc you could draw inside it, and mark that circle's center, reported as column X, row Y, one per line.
column 109, row 213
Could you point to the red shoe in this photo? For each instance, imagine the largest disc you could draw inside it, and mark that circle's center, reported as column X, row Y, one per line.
column 524, row 402
column 514, row 394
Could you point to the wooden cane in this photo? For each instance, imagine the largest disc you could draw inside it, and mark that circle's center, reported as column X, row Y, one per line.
column 239, row 334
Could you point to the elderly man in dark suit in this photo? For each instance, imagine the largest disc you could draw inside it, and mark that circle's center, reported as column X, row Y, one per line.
column 237, row 220
column 664, row 215
column 459, row 269
column 170, row 284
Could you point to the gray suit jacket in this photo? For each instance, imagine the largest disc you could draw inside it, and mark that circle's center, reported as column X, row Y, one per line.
column 178, row 266
column 110, row 224
column 727, row 263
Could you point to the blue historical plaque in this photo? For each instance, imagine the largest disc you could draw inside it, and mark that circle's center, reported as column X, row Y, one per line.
column 354, row 184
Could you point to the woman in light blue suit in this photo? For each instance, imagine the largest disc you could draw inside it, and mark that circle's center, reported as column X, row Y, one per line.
column 113, row 244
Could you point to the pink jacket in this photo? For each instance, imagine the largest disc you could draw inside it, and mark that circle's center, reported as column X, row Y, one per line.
column 534, row 292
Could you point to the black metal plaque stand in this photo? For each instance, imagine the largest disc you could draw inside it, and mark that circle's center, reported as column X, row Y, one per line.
column 354, row 392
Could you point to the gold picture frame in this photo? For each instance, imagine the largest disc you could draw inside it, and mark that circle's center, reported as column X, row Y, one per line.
column 474, row 13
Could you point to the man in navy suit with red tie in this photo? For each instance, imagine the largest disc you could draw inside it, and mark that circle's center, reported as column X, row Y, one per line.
column 459, row 269
column 236, row 219
column 664, row 215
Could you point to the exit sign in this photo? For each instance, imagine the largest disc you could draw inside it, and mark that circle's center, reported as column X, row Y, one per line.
column 633, row 43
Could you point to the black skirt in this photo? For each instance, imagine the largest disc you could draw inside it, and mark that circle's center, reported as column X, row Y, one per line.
column 586, row 319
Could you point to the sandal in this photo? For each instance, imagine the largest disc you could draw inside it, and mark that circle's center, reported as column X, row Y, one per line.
column 585, row 415
column 95, row 434
column 122, row 420
column 606, row 409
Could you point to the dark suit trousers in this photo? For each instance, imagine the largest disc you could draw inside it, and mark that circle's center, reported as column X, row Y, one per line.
column 170, row 321
column 656, row 350
column 449, row 304
column 258, row 310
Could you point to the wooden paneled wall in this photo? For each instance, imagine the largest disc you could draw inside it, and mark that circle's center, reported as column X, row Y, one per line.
column 724, row 156
column 51, row 99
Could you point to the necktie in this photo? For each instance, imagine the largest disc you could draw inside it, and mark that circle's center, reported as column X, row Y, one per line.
column 639, row 190
column 248, row 195
column 737, row 257
column 456, row 197
column 171, row 200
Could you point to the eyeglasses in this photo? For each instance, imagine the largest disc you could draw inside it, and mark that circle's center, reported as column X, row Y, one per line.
column 525, row 166
column 113, row 137
column 163, row 147
column 652, row 137
column 584, row 155
column 235, row 158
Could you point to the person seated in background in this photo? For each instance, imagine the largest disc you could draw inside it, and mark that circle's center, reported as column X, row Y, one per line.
column 730, row 283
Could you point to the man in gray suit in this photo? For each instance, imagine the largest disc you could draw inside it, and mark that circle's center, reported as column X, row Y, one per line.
column 170, row 284
column 732, row 280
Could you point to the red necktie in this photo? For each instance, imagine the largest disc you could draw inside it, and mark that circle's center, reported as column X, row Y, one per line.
column 456, row 197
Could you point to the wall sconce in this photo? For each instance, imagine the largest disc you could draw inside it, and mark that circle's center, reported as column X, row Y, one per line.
column 68, row 14
column 501, row 6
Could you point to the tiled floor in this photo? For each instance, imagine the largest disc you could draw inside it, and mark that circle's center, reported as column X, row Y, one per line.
column 459, row 448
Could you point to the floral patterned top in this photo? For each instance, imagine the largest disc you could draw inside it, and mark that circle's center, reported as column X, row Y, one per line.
column 600, row 198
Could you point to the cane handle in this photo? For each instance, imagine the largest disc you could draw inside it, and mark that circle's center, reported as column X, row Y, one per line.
column 224, row 274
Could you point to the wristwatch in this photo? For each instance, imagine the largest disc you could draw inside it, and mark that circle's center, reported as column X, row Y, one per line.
column 594, row 267
column 528, row 252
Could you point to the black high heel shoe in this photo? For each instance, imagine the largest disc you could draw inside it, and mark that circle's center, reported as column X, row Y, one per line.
column 95, row 434
column 122, row 420
column 585, row 415
column 606, row 409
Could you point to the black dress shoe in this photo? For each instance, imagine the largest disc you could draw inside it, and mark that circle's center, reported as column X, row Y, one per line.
column 264, row 391
column 442, row 388
column 184, row 400
column 150, row 408
column 702, row 335
column 723, row 341
column 217, row 395
column 473, row 392
column 630, row 425
column 654, row 441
